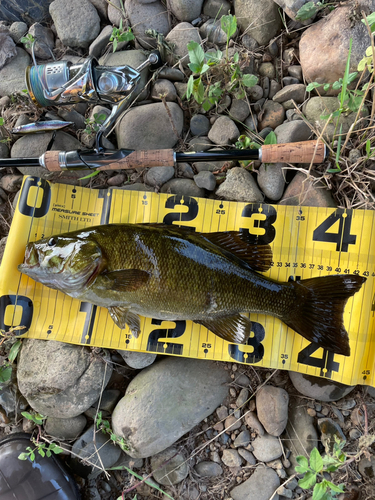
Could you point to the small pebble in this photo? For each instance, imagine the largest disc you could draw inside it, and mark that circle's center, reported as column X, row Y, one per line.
column 355, row 433
column 325, row 411
column 231, row 458
column 231, row 423
column 222, row 412
column 311, row 412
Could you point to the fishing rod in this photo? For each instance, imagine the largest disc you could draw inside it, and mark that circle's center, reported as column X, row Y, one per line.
column 122, row 159
column 63, row 83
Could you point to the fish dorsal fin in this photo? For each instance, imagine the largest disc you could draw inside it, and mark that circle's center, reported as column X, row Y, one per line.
column 234, row 328
column 122, row 316
column 125, row 280
column 258, row 257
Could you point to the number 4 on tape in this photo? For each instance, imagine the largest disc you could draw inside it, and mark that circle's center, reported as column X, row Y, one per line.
column 342, row 238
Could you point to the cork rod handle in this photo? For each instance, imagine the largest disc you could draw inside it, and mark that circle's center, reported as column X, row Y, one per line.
column 141, row 159
column 294, row 152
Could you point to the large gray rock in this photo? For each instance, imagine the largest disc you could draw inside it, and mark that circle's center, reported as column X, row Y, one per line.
column 317, row 108
column 12, row 75
column 239, row 185
column 319, row 388
column 260, row 486
column 186, row 10
column 224, row 131
column 271, row 180
column 324, row 46
column 149, row 127
column 306, row 191
column 260, row 20
column 77, row 23
column 143, row 17
column 272, row 408
column 166, row 400
column 96, row 449
column 294, row 131
column 65, row 428
column 60, row 380
column 132, row 58
column 169, row 467
column 45, row 41
column 180, row 36
column 33, row 146
column 267, row 448
column 7, row 47
column 300, row 434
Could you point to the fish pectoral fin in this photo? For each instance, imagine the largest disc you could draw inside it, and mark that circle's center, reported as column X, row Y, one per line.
column 234, row 328
column 122, row 316
column 258, row 257
column 125, row 280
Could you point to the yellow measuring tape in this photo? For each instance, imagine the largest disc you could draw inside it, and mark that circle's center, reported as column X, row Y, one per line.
column 306, row 242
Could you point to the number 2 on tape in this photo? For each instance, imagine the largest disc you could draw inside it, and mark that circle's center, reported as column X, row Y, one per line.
column 342, row 238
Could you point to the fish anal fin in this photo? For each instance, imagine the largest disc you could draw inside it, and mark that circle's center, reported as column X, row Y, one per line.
column 318, row 312
column 122, row 316
column 258, row 257
column 125, row 280
column 235, row 329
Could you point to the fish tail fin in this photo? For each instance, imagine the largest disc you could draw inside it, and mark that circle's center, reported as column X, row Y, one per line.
column 318, row 313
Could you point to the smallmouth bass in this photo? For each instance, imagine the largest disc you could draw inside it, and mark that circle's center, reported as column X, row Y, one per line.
column 171, row 273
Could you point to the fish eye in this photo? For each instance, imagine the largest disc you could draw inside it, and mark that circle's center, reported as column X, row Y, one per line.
column 52, row 242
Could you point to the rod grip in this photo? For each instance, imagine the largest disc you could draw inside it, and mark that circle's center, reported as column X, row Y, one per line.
column 294, row 152
column 51, row 161
column 141, row 159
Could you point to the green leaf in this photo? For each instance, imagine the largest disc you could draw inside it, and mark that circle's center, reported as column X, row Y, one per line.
column 303, row 462
column 196, row 53
column 195, row 68
column 27, row 415
column 229, row 25
column 270, row 138
column 335, row 488
column 249, row 80
column 205, row 67
column 352, row 77
column 236, row 57
column 368, row 147
column 370, row 19
column 312, row 86
column 5, row 373
column 56, row 449
column 206, row 105
column 336, row 85
column 319, row 491
column 41, row 452
column 326, row 86
column 306, row 11
column 32, row 456
column 307, row 481
column 190, row 87
column 1, row 121
column 316, row 461
column 114, row 45
column 346, row 74
column 23, row 456
column 14, row 350
column 93, row 174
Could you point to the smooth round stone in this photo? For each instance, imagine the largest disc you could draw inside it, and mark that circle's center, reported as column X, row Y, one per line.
column 239, row 110
column 243, row 439
column 255, row 92
column 172, row 472
column 267, row 69
column 247, row 455
column 273, row 48
column 109, row 399
column 184, row 187
column 205, row 180
column 367, row 467
column 232, row 423
column 295, row 71
column 242, row 397
column 272, row 408
column 271, row 180
column 137, row 360
column 172, row 74
column 200, row 144
column 199, row 125
column 253, row 423
column 164, row 88
column 224, row 131
column 266, row 86
column 354, row 434
column 329, row 431
column 266, row 448
column 273, row 115
column 261, row 485
column 289, row 80
column 157, row 176
column 319, row 388
column 239, row 185
column 185, row 170
column 65, row 428
column 231, row 458
column 208, row 469
column 296, row 92
column 251, row 123
column 274, row 88
column 249, row 42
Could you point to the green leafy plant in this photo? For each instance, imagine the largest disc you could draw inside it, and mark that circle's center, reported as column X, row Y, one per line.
column 229, row 76
column 6, row 367
column 120, row 35
column 245, row 142
column 314, row 468
column 41, row 448
column 27, row 40
column 37, row 418
column 310, row 9
column 105, row 427
column 93, row 124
